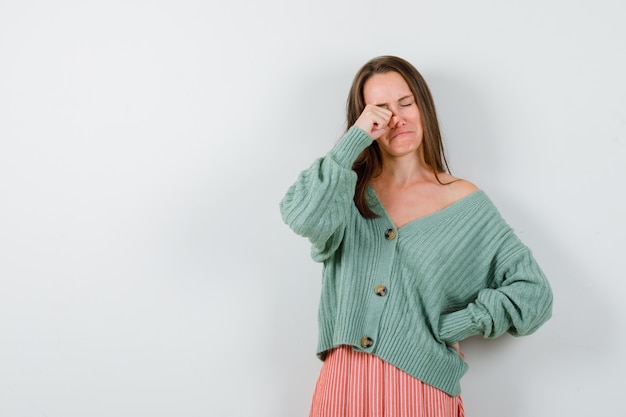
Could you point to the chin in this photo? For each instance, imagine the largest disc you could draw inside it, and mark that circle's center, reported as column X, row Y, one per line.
column 405, row 147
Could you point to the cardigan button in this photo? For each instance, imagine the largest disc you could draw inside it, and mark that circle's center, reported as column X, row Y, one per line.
column 390, row 234
column 380, row 290
column 366, row 342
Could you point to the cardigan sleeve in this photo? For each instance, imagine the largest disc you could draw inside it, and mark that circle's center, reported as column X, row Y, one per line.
column 518, row 301
column 320, row 202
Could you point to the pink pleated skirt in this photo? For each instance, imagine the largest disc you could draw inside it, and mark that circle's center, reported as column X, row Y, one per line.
column 357, row 384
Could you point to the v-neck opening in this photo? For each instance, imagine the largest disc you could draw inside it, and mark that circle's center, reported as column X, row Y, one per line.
column 435, row 216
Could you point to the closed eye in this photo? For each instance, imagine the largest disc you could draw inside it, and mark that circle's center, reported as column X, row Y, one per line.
column 406, row 101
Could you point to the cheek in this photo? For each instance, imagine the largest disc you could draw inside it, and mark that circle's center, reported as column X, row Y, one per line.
column 415, row 115
column 417, row 121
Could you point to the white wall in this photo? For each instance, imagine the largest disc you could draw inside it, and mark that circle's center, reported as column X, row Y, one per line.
column 145, row 145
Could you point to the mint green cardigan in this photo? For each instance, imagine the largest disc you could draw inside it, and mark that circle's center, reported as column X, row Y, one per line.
column 401, row 294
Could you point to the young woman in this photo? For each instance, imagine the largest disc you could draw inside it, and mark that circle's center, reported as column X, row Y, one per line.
column 415, row 260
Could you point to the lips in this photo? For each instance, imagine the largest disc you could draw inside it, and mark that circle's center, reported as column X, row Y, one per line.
column 404, row 132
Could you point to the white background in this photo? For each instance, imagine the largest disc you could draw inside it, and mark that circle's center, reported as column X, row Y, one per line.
column 145, row 146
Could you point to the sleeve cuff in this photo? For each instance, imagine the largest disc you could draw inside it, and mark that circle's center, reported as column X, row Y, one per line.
column 350, row 146
column 457, row 326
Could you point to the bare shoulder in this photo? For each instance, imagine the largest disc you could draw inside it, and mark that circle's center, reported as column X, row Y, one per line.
column 457, row 188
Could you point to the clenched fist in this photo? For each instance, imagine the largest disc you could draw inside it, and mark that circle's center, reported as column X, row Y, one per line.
column 374, row 121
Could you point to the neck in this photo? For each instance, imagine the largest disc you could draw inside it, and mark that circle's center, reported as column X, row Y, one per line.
column 404, row 170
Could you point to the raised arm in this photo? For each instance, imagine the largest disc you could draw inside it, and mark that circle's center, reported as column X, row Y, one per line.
column 320, row 202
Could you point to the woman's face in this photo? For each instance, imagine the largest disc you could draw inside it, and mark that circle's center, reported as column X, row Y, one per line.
column 391, row 92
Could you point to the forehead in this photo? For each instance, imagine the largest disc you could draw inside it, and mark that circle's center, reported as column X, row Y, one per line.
column 385, row 88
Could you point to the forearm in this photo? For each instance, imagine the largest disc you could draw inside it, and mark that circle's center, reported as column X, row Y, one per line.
column 520, row 304
column 321, row 199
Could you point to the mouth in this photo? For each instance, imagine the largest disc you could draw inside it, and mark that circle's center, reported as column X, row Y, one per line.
column 404, row 132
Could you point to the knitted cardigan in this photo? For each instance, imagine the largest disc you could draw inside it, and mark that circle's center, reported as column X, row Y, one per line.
column 401, row 294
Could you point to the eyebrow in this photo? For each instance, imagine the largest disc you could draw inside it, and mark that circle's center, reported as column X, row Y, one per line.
column 399, row 100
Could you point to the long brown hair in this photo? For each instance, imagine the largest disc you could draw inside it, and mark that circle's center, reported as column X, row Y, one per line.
column 369, row 163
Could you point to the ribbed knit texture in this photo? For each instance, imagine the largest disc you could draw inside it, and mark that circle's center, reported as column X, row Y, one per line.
column 458, row 272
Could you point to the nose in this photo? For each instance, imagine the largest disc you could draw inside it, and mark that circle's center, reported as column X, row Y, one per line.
column 396, row 121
